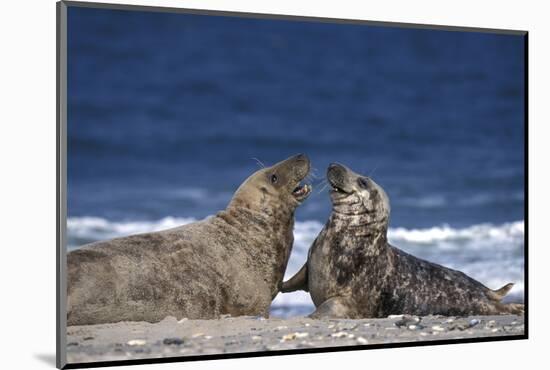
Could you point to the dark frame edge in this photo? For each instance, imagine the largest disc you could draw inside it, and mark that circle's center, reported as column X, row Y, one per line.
column 287, row 17
column 526, row 181
column 61, row 176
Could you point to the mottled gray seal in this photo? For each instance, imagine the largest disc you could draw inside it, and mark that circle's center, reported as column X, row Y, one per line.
column 231, row 263
column 353, row 272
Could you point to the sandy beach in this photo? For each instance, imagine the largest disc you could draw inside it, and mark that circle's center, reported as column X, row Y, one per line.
column 170, row 337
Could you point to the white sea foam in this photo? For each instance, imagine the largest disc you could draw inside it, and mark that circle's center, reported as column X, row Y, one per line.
column 98, row 228
column 491, row 254
column 82, row 230
column 509, row 233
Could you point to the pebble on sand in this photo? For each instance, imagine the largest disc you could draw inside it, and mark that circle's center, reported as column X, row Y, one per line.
column 474, row 322
column 362, row 340
column 172, row 341
column 293, row 336
column 407, row 320
column 341, row 334
column 137, row 342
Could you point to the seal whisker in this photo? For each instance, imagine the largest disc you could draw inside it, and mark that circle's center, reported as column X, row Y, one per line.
column 258, row 162
column 375, row 168
column 323, row 188
column 314, row 172
column 321, row 182
column 310, row 177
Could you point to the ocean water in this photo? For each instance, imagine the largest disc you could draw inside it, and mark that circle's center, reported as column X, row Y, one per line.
column 167, row 111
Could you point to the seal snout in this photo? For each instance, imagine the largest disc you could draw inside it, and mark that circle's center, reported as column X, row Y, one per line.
column 299, row 166
column 337, row 175
column 303, row 165
column 301, row 157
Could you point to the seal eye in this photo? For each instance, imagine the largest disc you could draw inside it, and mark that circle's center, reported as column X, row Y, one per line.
column 274, row 179
column 363, row 182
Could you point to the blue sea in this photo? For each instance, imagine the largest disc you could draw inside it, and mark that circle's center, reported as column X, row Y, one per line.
column 168, row 112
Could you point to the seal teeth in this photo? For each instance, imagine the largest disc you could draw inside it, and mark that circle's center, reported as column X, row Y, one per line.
column 301, row 190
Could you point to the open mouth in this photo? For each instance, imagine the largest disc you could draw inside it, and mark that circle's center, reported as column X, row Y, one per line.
column 336, row 188
column 301, row 192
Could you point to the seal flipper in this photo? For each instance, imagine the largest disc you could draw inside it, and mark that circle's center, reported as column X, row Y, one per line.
column 516, row 308
column 335, row 307
column 297, row 282
column 497, row 295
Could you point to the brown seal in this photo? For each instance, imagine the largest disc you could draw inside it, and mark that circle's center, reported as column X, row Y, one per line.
column 231, row 263
column 353, row 272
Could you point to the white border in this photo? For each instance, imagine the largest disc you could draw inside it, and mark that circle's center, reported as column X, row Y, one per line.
column 28, row 181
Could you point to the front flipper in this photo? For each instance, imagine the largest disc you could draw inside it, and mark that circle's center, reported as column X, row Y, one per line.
column 335, row 308
column 297, row 282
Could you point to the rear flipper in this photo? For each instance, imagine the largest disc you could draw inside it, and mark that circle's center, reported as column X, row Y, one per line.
column 515, row 308
column 297, row 282
column 497, row 295
column 336, row 308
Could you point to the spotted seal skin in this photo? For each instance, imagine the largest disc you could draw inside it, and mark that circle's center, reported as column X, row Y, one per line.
column 231, row 263
column 353, row 272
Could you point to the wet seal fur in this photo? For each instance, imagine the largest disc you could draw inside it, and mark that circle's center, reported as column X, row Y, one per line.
column 353, row 272
column 231, row 263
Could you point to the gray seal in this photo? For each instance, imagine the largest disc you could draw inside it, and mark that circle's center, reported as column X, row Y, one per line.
column 231, row 263
column 353, row 272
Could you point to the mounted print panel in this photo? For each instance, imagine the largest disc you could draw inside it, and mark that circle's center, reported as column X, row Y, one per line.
column 239, row 184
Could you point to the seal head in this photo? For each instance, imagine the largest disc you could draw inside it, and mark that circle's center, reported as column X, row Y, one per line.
column 276, row 188
column 357, row 197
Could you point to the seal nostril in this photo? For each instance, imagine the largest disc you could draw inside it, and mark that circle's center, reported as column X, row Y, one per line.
column 301, row 158
column 335, row 169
